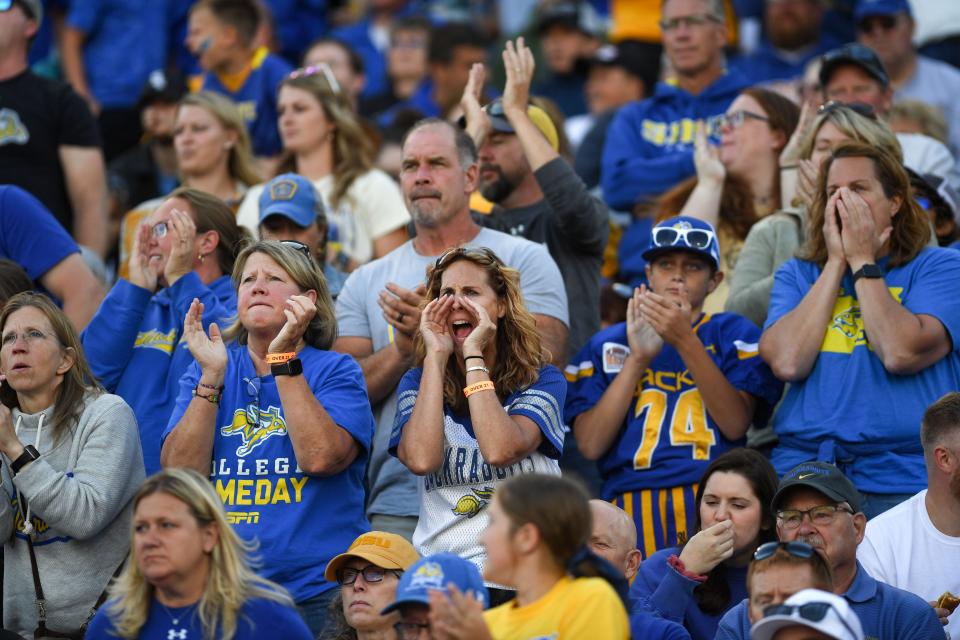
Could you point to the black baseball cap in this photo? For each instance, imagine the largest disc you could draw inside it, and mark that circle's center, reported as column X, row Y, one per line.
column 570, row 13
column 823, row 477
column 163, row 85
column 628, row 55
column 857, row 55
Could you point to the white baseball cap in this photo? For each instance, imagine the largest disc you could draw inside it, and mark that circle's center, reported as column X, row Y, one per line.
column 825, row 612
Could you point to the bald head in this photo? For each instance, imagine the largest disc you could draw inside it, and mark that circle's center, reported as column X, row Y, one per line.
column 614, row 537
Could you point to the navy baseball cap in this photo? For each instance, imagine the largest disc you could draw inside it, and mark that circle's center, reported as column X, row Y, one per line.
column 292, row 196
column 687, row 234
column 823, row 477
column 870, row 8
column 435, row 573
column 857, row 55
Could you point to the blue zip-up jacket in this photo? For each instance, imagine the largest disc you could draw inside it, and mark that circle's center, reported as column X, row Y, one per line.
column 661, row 589
column 649, row 145
column 767, row 64
column 134, row 347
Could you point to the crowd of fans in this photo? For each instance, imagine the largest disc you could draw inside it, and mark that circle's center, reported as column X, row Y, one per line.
column 409, row 319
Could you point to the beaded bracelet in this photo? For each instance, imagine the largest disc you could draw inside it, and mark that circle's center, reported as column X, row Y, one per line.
column 280, row 358
column 213, row 398
column 480, row 386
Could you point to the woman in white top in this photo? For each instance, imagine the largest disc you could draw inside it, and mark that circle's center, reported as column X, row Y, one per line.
column 324, row 141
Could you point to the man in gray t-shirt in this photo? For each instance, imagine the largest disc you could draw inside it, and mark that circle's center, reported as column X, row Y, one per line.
column 378, row 308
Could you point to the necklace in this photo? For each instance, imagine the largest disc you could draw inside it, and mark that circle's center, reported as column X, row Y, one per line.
column 176, row 620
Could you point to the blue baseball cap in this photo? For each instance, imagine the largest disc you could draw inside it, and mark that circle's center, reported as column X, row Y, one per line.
column 434, row 573
column 823, row 477
column 869, row 8
column 687, row 234
column 292, row 196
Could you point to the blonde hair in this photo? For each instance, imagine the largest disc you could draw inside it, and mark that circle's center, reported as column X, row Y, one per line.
column 929, row 118
column 519, row 356
column 911, row 226
column 306, row 274
column 353, row 150
column 240, row 162
column 855, row 126
column 77, row 381
column 230, row 583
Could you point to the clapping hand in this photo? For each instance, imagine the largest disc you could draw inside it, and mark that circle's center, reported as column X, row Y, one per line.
column 478, row 122
column 183, row 231
column 209, row 351
column 519, row 64
column 299, row 310
column 670, row 317
column 645, row 343
column 401, row 308
column 144, row 271
column 706, row 159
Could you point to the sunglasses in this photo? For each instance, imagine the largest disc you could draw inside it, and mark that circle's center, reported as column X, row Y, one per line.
column 480, row 253
column 860, row 108
column 795, row 549
column 811, row 612
column 321, row 68
column 371, row 573
column 6, row 5
column 671, row 237
column 299, row 247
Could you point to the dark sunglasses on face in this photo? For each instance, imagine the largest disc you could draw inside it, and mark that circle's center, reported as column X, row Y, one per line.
column 371, row 573
column 812, row 612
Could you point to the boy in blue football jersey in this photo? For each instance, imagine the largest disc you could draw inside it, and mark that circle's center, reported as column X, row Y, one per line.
column 658, row 397
column 221, row 34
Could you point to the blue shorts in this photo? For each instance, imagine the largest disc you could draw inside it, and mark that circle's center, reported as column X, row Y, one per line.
column 664, row 517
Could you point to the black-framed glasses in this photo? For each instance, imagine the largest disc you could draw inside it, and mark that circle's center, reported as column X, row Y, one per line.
column 321, row 68
column 481, row 253
column 736, row 119
column 695, row 20
column 410, row 630
column 671, row 237
column 811, row 611
column 371, row 574
column 860, row 108
column 796, row 549
column 299, row 247
column 821, row 516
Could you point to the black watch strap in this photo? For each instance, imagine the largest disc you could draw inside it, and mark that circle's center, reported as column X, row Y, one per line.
column 29, row 454
column 868, row 271
column 292, row 367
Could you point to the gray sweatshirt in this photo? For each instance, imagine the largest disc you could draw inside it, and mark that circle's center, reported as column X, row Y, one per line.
column 79, row 494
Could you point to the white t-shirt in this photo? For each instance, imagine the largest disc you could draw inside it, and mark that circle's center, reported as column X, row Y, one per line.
column 903, row 549
column 924, row 154
column 371, row 208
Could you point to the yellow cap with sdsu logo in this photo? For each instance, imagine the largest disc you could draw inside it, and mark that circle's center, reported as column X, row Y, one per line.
column 380, row 548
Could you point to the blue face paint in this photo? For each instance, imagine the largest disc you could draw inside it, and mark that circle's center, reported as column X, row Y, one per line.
column 204, row 45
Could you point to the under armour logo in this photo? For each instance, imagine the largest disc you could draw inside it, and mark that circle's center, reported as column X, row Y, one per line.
column 173, row 634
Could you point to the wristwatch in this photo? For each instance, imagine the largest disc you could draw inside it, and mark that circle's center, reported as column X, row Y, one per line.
column 867, row 271
column 29, row 454
column 292, row 367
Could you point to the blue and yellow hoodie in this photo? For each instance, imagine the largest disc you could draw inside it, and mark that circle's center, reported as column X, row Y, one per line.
column 649, row 146
column 134, row 347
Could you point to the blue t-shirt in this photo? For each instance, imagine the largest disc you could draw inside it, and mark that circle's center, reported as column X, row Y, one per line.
column 125, row 41
column 850, row 409
column 256, row 97
column 667, row 438
column 30, row 235
column 258, row 619
column 300, row 521
column 884, row 611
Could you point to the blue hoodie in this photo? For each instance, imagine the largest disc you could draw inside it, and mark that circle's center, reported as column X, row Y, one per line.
column 134, row 347
column 649, row 146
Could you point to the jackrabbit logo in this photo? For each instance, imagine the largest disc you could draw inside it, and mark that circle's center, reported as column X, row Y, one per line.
column 471, row 504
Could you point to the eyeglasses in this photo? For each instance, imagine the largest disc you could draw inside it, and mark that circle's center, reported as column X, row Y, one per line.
column 695, row 238
column 31, row 336
column 736, row 119
column 159, row 230
column 320, row 68
column 481, row 253
column 886, row 23
column 299, row 247
column 795, row 549
column 371, row 573
column 695, row 20
column 860, row 108
column 811, row 611
column 411, row 630
column 820, row 516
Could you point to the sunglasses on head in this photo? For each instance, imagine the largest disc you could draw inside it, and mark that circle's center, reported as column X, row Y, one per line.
column 795, row 549
column 811, row 612
column 6, row 5
column 299, row 247
column 481, row 253
column 860, row 108
column 321, row 68
column 671, row 237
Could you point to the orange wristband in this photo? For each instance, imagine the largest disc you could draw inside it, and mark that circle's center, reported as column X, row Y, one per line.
column 480, row 386
column 280, row 358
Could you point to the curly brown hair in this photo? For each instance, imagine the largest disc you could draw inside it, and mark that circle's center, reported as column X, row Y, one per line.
column 519, row 354
column 911, row 226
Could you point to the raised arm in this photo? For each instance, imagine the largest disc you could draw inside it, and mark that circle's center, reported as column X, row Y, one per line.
column 704, row 201
column 86, row 179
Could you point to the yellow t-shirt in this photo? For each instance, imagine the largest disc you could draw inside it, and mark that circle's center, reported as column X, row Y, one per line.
column 572, row 609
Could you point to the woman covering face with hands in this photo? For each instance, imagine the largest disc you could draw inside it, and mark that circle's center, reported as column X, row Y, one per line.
column 482, row 406
column 284, row 424
column 865, row 306
column 184, row 251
